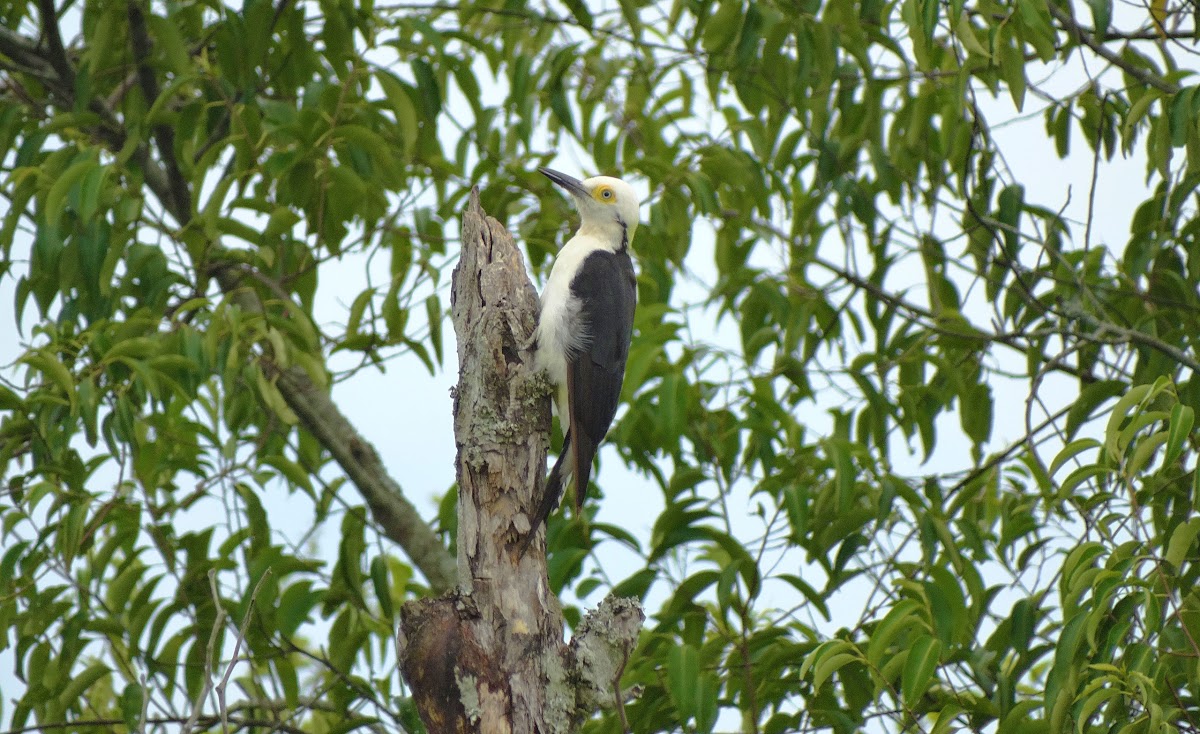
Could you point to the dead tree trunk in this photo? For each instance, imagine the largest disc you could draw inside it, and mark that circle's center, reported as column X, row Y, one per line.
column 490, row 656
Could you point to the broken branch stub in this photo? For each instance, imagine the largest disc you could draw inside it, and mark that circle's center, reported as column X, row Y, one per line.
column 490, row 656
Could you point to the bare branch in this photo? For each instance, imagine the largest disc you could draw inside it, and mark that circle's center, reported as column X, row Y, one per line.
column 217, row 630
column 237, row 650
column 492, row 650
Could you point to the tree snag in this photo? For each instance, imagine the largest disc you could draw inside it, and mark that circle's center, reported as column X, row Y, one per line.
column 490, row 656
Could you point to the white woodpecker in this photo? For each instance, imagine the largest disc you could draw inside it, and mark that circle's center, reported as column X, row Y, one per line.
column 585, row 326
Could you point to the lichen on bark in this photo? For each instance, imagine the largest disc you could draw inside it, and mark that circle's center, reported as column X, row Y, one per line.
column 490, row 656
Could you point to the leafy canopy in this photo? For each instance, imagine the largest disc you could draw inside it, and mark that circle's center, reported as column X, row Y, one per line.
column 830, row 178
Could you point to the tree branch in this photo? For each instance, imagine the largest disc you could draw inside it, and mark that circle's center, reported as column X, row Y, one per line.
column 321, row 417
column 401, row 522
column 481, row 653
column 312, row 405
column 164, row 135
column 1087, row 39
column 25, row 55
column 492, row 651
column 58, row 54
column 929, row 318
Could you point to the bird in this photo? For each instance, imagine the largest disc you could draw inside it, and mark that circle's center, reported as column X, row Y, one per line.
column 585, row 328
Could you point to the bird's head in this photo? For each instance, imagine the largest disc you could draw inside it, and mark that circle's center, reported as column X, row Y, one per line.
column 606, row 204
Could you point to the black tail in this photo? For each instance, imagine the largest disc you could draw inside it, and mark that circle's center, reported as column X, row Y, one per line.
column 578, row 451
column 551, row 496
column 584, row 449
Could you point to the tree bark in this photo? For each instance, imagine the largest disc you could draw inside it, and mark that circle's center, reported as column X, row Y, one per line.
column 490, row 656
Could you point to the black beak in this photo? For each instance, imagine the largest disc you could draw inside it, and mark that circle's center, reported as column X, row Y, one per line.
column 573, row 185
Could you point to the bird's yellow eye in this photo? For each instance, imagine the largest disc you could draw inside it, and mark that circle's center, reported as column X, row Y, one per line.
column 604, row 194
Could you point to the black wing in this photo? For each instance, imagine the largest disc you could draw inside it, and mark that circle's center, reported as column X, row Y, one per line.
column 607, row 289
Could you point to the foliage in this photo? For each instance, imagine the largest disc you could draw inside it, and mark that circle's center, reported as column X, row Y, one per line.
column 179, row 177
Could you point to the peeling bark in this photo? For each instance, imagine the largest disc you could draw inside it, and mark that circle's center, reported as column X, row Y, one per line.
column 490, row 656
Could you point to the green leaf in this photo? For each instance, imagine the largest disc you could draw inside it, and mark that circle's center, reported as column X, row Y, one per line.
column 749, row 37
column 90, row 189
column 169, row 40
column 827, row 659
column 1143, row 451
column 296, row 605
column 965, row 32
column 293, row 472
column 1057, row 696
column 57, row 196
column 1070, row 451
column 947, row 605
column 944, row 723
column 810, row 594
column 132, row 699
column 1101, row 691
column 1040, row 27
column 581, row 13
column 379, row 579
column 9, row 400
column 919, row 666
column 1178, row 432
column 354, row 321
column 562, row 107
column 1101, row 17
column 1137, row 111
column 629, row 13
column 976, row 413
column 708, row 689
column 427, row 85
column 1121, row 412
column 72, row 692
column 53, row 370
column 433, row 312
column 904, row 617
column 683, row 670
column 1181, row 119
column 637, row 585
column 1012, row 70
column 722, row 27
column 1182, row 540
column 1081, row 557
column 348, row 573
column 1010, row 204
column 268, row 391
column 401, row 103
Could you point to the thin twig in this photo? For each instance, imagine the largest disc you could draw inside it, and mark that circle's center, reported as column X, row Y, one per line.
column 113, row 724
column 1091, row 205
column 1087, row 39
column 217, row 628
column 144, row 716
column 237, row 646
